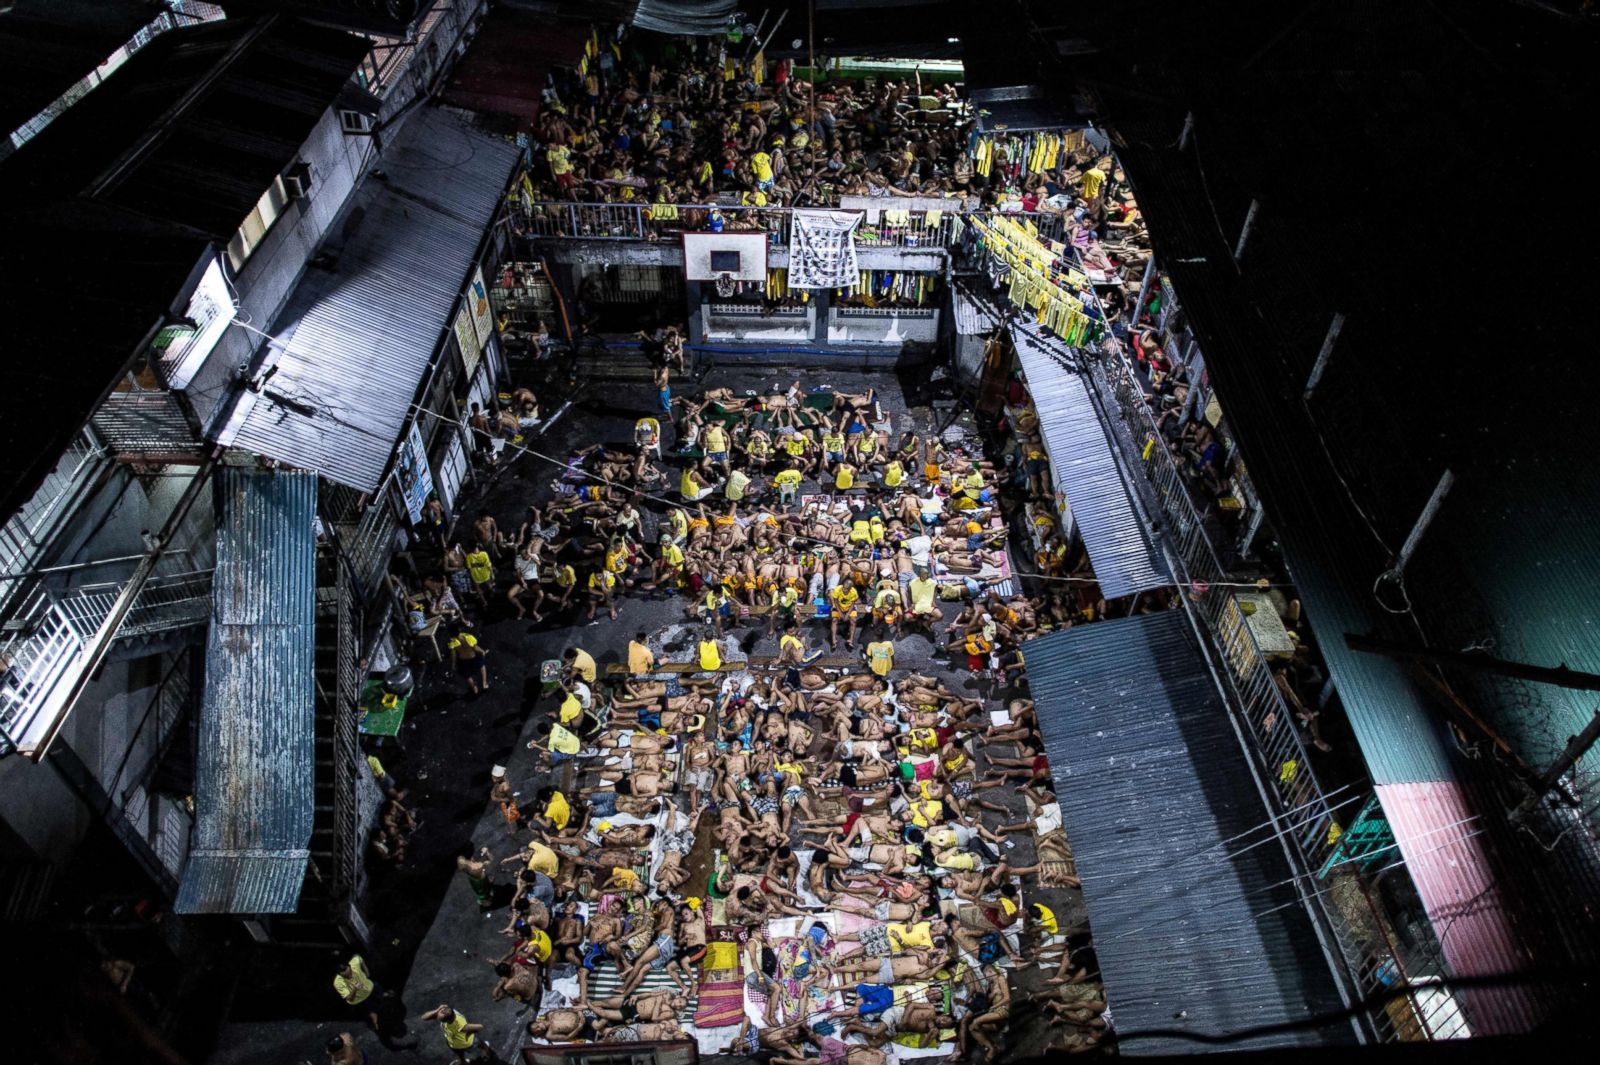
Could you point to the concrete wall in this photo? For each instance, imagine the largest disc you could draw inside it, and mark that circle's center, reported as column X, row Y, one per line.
column 845, row 327
column 263, row 285
column 789, row 329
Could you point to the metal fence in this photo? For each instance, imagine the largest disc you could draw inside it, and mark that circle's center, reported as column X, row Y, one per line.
column 887, row 227
column 1340, row 891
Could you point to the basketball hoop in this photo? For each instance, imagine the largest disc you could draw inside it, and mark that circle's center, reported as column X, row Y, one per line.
column 725, row 284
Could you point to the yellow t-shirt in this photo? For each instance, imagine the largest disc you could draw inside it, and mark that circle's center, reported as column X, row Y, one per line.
column 795, row 445
column 456, row 1036
column 560, row 161
column 911, row 935
column 844, row 597
column 845, row 479
column 566, row 577
column 571, row 709
column 562, row 741
column 788, row 479
column 602, row 580
column 640, row 658
column 542, row 859
column 710, row 655
column 688, row 486
column 479, row 566
column 1092, row 180
column 672, row 555
column 539, row 940
column 789, row 641
column 761, row 166
column 960, row 860
column 1047, row 918
column 881, row 656
column 833, row 442
column 357, row 987
column 558, row 810
column 716, row 438
column 893, row 474
column 583, row 665
column 617, row 560
column 923, row 590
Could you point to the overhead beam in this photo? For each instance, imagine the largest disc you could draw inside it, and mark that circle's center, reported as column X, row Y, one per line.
column 1560, row 675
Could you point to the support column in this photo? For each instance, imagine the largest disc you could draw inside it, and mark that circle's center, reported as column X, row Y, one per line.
column 822, row 300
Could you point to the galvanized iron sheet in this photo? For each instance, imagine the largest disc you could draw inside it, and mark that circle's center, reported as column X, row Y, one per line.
column 1194, row 928
column 358, row 339
column 1124, row 559
column 255, row 766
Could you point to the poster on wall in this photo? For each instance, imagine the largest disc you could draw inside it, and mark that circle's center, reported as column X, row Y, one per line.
column 416, row 478
column 482, row 309
column 467, row 337
column 822, row 249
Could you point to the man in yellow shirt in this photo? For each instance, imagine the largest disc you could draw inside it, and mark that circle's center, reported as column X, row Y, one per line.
column 715, row 440
column 880, row 654
column 640, row 658
column 566, row 580
column 761, row 167
column 710, row 653
column 844, row 477
column 669, row 565
column 581, row 664
column 353, row 983
column 843, row 600
column 460, row 1035
column 788, row 484
column 540, row 859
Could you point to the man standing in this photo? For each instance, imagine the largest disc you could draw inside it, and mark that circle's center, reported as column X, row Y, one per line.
column 664, row 389
column 880, row 653
column 357, row 987
column 460, row 1035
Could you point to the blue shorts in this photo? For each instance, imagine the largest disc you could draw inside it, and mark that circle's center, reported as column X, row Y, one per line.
column 875, row 998
column 556, row 757
column 650, row 719
column 717, row 456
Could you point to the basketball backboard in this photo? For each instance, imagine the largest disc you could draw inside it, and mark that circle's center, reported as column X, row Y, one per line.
column 740, row 256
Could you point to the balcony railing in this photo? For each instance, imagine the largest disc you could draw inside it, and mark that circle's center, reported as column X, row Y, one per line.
column 49, row 638
column 891, row 228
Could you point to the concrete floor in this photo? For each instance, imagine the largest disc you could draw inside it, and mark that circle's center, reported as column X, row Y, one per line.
column 429, row 938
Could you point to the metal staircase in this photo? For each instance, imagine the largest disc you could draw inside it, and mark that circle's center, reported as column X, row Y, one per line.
column 46, row 643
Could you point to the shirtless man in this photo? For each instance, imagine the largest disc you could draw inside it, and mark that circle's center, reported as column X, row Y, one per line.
column 987, row 1023
column 559, row 1026
column 654, row 1006
column 520, row 982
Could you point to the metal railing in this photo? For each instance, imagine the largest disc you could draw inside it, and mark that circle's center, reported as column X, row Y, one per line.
column 26, row 536
column 49, row 634
column 891, row 228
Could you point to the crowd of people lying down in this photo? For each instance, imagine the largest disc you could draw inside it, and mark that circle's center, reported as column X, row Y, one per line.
column 815, row 827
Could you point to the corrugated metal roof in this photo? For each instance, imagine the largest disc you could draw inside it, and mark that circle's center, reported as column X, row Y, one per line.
column 976, row 312
column 1445, row 854
column 46, row 46
column 357, row 339
column 1114, row 533
column 217, row 110
column 1158, row 804
column 145, row 423
column 255, row 766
